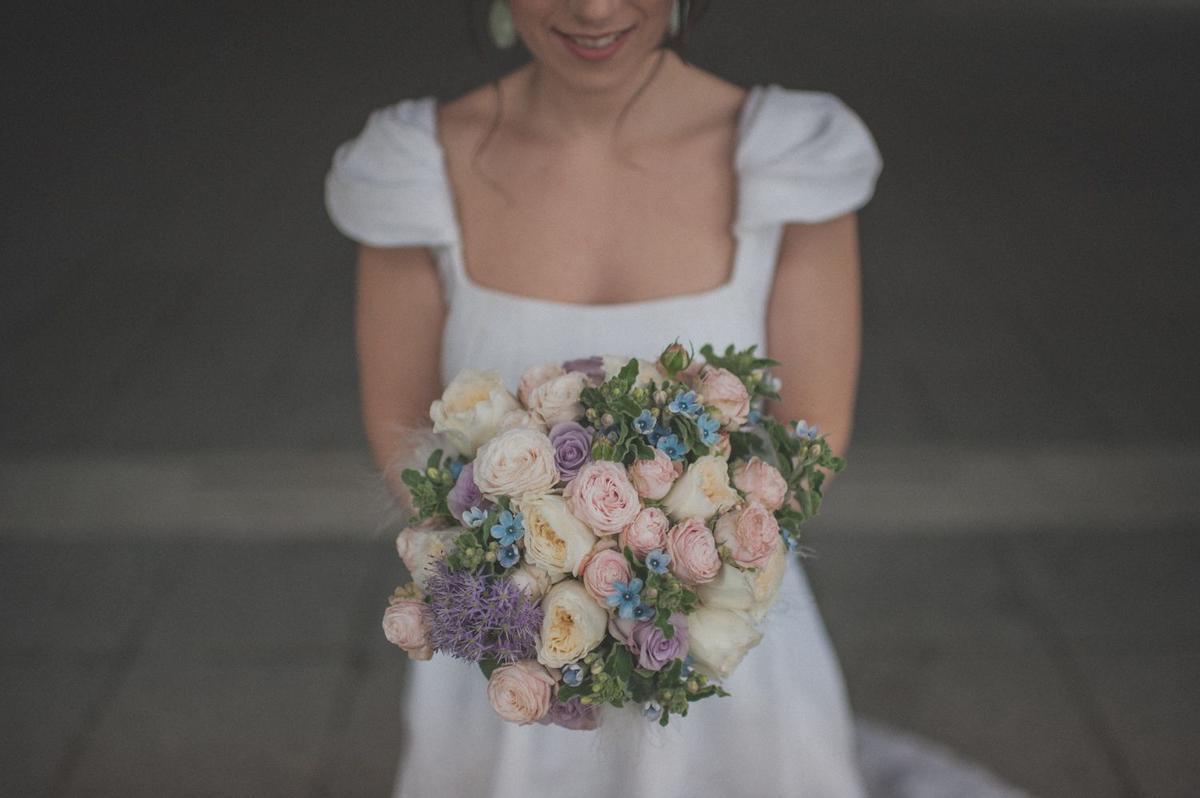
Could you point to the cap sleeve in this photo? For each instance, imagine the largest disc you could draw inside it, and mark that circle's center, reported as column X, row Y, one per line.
column 387, row 186
column 805, row 157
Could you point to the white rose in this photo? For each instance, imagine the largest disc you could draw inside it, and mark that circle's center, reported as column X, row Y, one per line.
column 702, row 491
column 572, row 626
column 530, row 580
column 421, row 547
column 471, row 407
column 647, row 369
column 719, row 639
column 752, row 591
column 535, row 376
column 520, row 419
column 557, row 399
column 517, row 462
column 555, row 540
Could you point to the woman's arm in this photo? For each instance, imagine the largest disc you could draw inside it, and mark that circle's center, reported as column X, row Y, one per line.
column 814, row 326
column 398, row 327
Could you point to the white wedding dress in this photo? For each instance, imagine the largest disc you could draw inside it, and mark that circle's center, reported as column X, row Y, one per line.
column 786, row 730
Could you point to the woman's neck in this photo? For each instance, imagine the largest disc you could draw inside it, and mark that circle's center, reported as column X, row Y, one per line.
column 556, row 109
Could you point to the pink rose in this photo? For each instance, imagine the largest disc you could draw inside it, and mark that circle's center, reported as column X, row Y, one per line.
column 724, row 391
column 647, row 532
column 654, row 478
column 521, row 692
column 761, row 482
column 694, row 557
column 406, row 624
column 752, row 534
column 535, row 376
column 602, row 497
column 602, row 569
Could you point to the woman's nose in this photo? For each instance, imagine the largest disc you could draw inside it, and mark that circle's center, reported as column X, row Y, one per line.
column 594, row 11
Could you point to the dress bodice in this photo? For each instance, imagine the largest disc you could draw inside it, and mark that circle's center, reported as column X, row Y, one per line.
column 800, row 156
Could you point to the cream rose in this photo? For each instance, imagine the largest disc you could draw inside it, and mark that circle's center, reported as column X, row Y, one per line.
column 422, row 546
column 724, row 391
column 521, row 691
column 647, row 532
column 517, row 462
column 572, row 626
column 555, row 540
column 406, row 624
column 752, row 592
column 702, row 491
column 761, row 481
column 535, row 376
column 600, row 571
column 694, row 557
column 653, row 478
column 751, row 534
column 530, row 580
column 557, row 399
column 602, row 496
column 719, row 639
column 471, row 407
column 521, row 419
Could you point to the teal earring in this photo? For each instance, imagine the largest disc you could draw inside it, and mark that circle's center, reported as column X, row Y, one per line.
column 500, row 25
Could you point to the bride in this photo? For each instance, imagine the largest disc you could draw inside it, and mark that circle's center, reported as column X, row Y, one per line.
column 607, row 198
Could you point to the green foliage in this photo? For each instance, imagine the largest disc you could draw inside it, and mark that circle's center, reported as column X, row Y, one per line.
column 430, row 487
column 748, row 367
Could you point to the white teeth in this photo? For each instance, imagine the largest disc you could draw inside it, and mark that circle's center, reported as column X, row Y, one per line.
column 603, row 41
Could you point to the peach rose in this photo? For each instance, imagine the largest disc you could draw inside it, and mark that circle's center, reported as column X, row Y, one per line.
column 517, row 462
column 647, row 532
column 406, row 624
column 530, row 580
column 572, row 624
column 726, row 394
column 653, row 478
column 535, row 376
column 601, row 570
column 602, row 497
column 761, row 482
column 751, row 534
column 694, row 557
column 521, row 691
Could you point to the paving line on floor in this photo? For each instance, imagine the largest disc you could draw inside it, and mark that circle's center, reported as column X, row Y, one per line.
column 264, row 495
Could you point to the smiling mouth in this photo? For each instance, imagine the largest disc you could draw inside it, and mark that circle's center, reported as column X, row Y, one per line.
column 595, row 42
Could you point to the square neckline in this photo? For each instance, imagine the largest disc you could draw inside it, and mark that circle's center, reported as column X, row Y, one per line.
column 749, row 104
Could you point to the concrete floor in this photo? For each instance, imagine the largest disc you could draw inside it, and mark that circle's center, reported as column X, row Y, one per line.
column 1011, row 566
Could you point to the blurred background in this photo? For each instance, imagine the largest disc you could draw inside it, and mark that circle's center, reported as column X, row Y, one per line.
column 195, row 553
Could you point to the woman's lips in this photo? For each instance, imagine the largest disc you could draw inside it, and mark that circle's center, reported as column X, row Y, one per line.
column 594, row 53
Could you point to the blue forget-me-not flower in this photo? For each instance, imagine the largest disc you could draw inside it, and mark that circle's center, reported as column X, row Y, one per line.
column 708, row 427
column 473, row 518
column 657, row 561
column 510, row 529
column 626, row 597
column 685, row 403
column 672, row 446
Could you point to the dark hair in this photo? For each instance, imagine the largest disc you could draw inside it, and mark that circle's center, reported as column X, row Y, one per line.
column 477, row 10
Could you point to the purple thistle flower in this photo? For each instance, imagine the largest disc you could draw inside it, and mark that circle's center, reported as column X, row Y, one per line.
column 474, row 615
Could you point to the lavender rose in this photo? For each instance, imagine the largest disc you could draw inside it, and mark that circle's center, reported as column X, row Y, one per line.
column 574, row 715
column 465, row 493
column 572, row 448
column 654, row 649
column 593, row 367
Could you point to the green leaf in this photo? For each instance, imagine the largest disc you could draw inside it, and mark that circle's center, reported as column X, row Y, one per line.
column 621, row 663
column 487, row 666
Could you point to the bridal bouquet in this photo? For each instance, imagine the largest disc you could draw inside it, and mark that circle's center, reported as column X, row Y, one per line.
column 611, row 535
